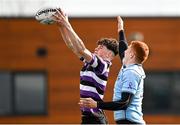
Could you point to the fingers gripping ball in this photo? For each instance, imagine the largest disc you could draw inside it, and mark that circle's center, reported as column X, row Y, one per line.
column 45, row 15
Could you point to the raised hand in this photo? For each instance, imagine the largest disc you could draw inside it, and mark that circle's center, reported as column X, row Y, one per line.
column 120, row 24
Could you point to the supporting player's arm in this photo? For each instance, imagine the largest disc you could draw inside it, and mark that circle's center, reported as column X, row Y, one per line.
column 71, row 39
column 112, row 105
column 123, row 45
column 116, row 105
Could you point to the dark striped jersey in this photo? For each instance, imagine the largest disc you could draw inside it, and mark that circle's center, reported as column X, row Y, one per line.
column 93, row 80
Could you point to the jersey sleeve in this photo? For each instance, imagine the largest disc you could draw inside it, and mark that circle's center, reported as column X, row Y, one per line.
column 130, row 81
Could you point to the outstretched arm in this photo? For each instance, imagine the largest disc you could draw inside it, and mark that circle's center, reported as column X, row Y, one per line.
column 67, row 41
column 123, row 45
column 71, row 39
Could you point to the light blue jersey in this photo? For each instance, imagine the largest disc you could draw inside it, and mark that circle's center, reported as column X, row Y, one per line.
column 131, row 80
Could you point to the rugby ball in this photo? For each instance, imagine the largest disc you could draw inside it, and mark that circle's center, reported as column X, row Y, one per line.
column 45, row 15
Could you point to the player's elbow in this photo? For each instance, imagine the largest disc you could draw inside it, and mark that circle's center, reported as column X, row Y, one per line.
column 81, row 51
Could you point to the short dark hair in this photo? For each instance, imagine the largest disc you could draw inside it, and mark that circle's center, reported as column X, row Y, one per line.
column 141, row 49
column 110, row 43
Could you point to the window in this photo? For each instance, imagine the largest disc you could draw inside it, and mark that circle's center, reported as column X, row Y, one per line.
column 162, row 92
column 5, row 93
column 23, row 93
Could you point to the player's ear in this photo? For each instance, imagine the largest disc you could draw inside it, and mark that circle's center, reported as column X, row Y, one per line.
column 132, row 54
column 110, row 54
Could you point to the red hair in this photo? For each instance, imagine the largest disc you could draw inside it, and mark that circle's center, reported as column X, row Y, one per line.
column 141, row 51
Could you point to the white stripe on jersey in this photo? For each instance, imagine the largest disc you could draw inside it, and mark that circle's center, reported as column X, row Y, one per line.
column 93, row 75
column 90, row 89
column 95, row 63
column 105, row 67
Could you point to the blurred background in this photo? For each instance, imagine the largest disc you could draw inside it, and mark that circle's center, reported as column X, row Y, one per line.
column 39, row 75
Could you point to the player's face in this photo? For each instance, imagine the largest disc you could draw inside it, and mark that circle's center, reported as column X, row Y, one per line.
column 127, row 55
column 97, row 49
column 101, row 50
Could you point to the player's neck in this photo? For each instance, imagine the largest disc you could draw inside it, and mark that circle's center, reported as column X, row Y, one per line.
column 130, row 62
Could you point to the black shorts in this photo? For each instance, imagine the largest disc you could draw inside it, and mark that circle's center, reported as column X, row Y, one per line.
column 90, row 118
column 125, row 122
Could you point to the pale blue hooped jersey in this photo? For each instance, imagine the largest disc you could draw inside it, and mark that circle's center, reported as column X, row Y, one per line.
column 131, row 80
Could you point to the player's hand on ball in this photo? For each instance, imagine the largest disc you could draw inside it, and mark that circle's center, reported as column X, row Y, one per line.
column 61, row 18
column 88, row 103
